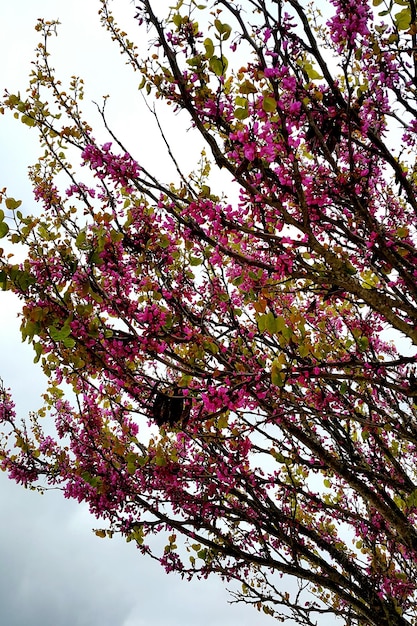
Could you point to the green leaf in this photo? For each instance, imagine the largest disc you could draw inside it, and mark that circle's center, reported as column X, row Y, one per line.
column 218, row 65
column 131, row 468
column 312, row 74
column 4, row 229
column 350, row 269
column 209, row 46
column 20, row 278
column 211, row 346
column 247, row 87
column 194, row 61
column 177, row 19
column 3, row 280
column 403, row 19
column 164, row 241
column 241, row 113
column 240, row 101
column 223, row 421
column 273, row 324
column 277, row 377
column 223, row 29
column 13, row 204
column 263, row 321
column 29, row 330
column 38, row 350
column 411, row 500
column 81, row 241
column 269, row 104
column 13, row 100
column 270, row 323
column 60, row 334
column 69, row 342
column 402, row 232
column 137, row 535
column 29, row 121
column 116, row 235
column 363, row 344
column 205, row 191
column 308, row 68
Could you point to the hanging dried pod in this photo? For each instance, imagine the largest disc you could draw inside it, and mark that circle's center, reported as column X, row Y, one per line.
column 170, row 407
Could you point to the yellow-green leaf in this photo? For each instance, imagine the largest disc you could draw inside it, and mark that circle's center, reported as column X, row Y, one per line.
column 403, row 19
column 269, row 104
column 164, row 241
column 224, row 30
column 402, row 232
column 247, row 87
column 29, row 121
column 209, row 46
column 241, row 113
column 13, row 204
column 4, row 229
column 218, row 65
column 277, row 378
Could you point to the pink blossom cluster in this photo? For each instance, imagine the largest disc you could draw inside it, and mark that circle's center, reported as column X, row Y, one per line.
column 120, row 169
column 349, row 23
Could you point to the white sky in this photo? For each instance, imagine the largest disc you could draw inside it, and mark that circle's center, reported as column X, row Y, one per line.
column 54, row 571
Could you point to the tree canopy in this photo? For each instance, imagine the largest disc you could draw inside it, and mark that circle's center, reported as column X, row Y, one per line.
column 240, row 359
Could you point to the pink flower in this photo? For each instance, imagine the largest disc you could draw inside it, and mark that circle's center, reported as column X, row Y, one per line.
column 349, row 22
column 249, row 151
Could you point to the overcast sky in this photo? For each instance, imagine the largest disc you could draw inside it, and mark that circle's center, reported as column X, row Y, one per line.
column 53, row 570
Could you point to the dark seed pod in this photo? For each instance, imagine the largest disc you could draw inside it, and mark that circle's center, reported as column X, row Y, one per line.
column 169, row 407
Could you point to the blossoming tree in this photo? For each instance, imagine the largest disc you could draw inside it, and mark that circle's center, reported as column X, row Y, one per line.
column 237, row 387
